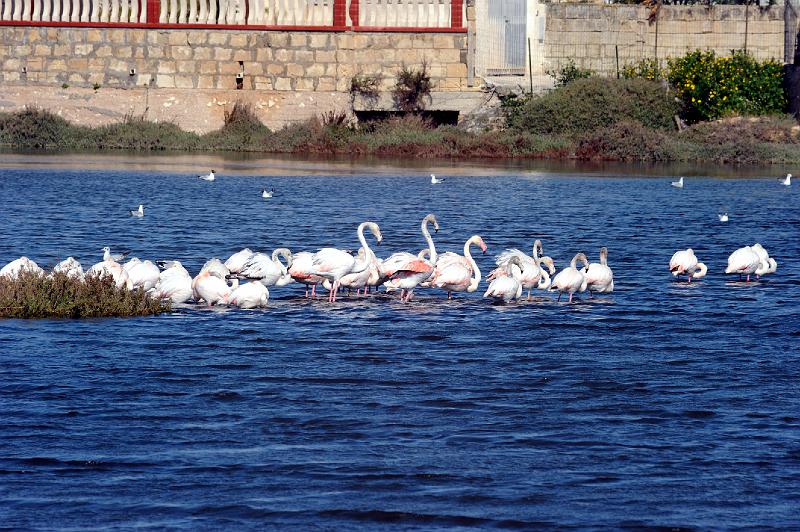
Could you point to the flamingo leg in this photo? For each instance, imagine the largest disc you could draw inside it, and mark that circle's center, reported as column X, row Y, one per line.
column 449, row 295
column 529, row 294
column 570, row 297
column 748, row 278
column 313, row 291
column 559, row 297
column 306, row 291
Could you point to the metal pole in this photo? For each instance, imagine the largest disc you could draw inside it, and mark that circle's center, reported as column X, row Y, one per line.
column 616, row 54
column 530, row 64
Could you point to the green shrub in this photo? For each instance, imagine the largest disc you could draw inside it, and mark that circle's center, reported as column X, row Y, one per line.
column 589, row 104
column 645, row 69
column 568, row 73
column 712, row 87
column 241, row 130
column 32, row 295
column 33, row 128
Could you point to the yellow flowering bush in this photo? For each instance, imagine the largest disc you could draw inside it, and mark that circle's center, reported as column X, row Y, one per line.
column 712, row 87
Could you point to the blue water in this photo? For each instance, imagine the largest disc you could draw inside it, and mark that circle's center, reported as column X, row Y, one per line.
column 663, row 404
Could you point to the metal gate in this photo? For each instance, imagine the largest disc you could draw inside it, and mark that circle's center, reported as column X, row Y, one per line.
column 506, row 37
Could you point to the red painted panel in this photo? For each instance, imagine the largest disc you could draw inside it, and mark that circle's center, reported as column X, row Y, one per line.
column 339, row 12
column 456, row 13
column 354, row 12
column 153, row 11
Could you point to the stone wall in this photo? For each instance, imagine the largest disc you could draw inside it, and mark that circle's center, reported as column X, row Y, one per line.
column 590, row 34
column 211, row 59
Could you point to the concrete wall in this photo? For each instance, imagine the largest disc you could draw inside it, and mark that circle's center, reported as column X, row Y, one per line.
column 209, row 59
column 589, row 33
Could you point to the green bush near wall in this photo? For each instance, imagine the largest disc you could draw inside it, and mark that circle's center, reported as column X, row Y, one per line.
column 712, row 87
column 589, row 104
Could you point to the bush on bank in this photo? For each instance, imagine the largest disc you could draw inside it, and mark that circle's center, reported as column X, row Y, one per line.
column 32, row 295
column 595, row 103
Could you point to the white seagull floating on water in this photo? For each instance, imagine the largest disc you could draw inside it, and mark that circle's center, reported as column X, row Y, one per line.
column 208, row 177
column 723, row 217
column 678, row 183
column 116, row 257
column 435, row 180
column 138, row 212
column 267, row 193
column 787, row 181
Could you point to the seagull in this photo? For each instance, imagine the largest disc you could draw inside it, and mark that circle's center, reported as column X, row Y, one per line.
column 116, row 257
column 208, row 177
column 138, row 212
column 723, row 217
column 787, row 180
column 678, row 183
column 435, row 180
column 267, row 193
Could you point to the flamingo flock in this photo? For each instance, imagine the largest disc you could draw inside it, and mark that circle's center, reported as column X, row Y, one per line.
column 244, row 279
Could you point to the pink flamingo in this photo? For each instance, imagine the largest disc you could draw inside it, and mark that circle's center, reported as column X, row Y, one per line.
column 406, row 271
column 457, row 273
column 333, row 264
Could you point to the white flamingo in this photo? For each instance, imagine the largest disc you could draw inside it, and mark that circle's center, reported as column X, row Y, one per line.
column 333, row 264
column 211, row 288
column 743, row 261
column 406, row 271
column 599, row 277
column 508, row 287
column 115, row 270
column 69, row 267
column 249, row 295
column 571, row 279
column 684, row 262
column 458, row 273
column 236, row 262
column 768, row 264
column 357, row 280
column 23, row 264
column 269, row 271
column 174, row 283
column 302, row 271
column 531, row 271
column 144, row 274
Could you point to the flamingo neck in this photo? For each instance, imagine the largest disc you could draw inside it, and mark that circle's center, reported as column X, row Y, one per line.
column 476, row 273
column 429, row 240
column 368, row 254
column 286, row 254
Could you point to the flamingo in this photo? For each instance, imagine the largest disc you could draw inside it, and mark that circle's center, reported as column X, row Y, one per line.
column 744, row 261
column 249, row 295
column 545, row 282
column 787, row 181
column 435, row 180
column 174, row 283
column 457, row 273
column 405, row 271
column 144, row 274
column 360, row 279
column 678, row 183
column 236, row 262
column 302, row 271
column 211, row 288
column 508, row 287
column 216, row 266
column 571, row 279
column 69, row 267
column 208, row 177
column 599, row 277
column 138, row 213
column 268, row 270
column 333, row 264
column 16, row 267
column 115, row 270
column 685, row 262
column 115, row 257
column 768, row 264
column 531, row 270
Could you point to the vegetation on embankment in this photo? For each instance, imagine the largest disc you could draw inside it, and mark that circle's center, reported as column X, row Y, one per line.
column 586, row 117
column 32, row 295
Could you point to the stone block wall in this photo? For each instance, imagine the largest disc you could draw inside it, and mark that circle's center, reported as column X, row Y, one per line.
column 211, row 59
column 590, row 34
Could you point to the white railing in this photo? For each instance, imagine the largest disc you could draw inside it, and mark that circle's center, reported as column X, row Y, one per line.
column 371, row 13
column 404, row 13
column 120, row 11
